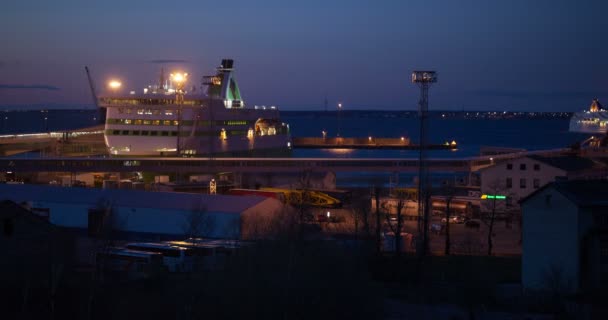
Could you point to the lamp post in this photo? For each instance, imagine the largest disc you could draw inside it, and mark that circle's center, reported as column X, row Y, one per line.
column 339, row 122
column 180, row 81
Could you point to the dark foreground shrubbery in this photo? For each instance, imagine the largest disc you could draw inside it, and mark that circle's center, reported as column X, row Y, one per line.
column 270, row 280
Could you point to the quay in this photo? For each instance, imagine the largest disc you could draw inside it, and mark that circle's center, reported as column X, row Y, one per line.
column 90, row 141
column 283, row 165
column 402, row 143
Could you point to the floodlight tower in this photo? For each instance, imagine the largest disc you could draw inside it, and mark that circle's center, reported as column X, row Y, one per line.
column 423, row 79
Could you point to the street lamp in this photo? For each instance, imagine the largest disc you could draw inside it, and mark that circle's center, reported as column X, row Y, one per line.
column 339, row 122
column 180, row 81
column 114, row 85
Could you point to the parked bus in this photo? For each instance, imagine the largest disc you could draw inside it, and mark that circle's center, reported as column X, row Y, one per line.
column 132, row 263
column 175, row 258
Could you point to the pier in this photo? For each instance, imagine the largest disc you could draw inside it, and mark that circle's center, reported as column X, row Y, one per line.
column 402, row 143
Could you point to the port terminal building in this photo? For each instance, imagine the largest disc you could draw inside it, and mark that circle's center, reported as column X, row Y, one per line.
column 150, row 215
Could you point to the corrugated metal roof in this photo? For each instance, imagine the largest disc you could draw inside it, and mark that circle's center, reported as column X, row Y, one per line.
column 129, row 198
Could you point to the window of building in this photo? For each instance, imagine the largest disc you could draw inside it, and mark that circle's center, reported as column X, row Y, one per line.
column 156, row 122
column 165, row 133
column 153, row 133
column 138, row 122
column 116, row 132
column 147, row 122
column 536, row 183
column 174, row 133
column 167, row 122
column 509, row 183
column 175, row 122
column 536, row 167
column 127, row 121
column 522, row 166
column 125, row 132
column 144, row 133
column 168, row 112
column 140, row 111
column 522, row 183
column 509, row 166
column 136, row 132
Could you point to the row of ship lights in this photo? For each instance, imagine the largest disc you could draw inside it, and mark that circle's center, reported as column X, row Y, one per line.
column 178, row 78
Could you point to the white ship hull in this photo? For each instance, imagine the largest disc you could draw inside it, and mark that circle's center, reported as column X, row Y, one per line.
column 589, row 122
column 154, row 132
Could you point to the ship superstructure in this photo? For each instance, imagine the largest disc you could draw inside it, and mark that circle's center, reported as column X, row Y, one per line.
column 593, row 120
column 166, row 120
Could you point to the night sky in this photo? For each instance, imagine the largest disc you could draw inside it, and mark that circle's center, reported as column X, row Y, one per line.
column 490, row 55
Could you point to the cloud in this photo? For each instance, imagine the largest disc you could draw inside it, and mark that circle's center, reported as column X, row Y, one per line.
column 536, row 94
column 163, row 61
column 29, row 87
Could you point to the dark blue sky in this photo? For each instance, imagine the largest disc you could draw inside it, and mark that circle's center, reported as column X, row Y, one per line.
column 494, row 55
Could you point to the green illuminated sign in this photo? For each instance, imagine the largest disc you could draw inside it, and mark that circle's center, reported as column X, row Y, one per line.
column 493, row 196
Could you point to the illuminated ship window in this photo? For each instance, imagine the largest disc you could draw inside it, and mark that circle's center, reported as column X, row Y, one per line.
column 250, row 133
column 168, row 112
column 156, row 122
column 167, row 122
column 175, row 122
column 138, row 122
column 147, row 122
column 223, row 134
column 140, row 111
column 235, row 123
column 127, row 121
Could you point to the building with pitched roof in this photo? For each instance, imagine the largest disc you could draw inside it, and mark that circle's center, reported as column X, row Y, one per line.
column 565, row 237
column 517, row 178
column 168, row 214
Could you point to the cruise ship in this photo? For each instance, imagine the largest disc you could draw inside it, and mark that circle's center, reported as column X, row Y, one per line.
column 167, row 120
column 593, row 120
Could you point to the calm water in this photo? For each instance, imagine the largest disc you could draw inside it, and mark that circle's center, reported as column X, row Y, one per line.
column 470, row 134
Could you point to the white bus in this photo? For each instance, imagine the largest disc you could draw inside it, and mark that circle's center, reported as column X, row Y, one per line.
column 177, row 259
column 132, row 263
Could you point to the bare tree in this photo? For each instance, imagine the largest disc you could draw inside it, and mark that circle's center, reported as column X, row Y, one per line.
column 448, row 191
column 397, row 229
column 198, row 223
column 361, row 212
column 496, row 187
column 377, row 190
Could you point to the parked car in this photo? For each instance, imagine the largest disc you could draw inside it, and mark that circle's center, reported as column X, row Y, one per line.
column 454, row 219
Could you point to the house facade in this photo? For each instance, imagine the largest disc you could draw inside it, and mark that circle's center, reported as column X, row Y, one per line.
column 565, row 237
column 518, row 178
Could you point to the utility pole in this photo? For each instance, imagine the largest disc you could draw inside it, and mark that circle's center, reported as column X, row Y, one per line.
column 423, row 79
